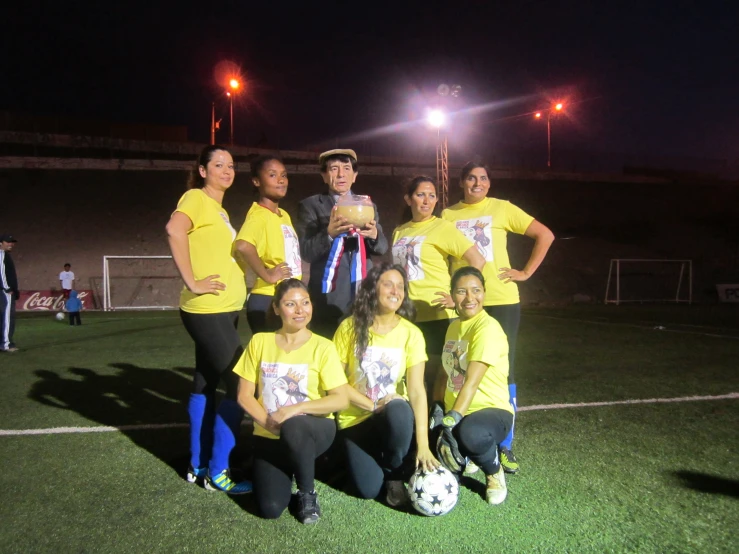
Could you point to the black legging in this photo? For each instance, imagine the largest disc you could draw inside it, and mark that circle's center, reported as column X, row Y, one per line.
column 302, row 440
column 509, row 317
column 377, row 447
column 479, row 435
column 217, row 349
column 259, row 314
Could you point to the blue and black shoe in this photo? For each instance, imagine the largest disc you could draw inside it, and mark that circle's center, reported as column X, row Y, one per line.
column 223, row 482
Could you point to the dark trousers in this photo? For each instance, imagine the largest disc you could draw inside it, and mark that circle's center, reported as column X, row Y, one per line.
column 259, row 314
column 377, row 447
column 217, row 349
column 479, row 435
column 509, row 317
column 7, row 319
column 302, row 440
column 74, row 318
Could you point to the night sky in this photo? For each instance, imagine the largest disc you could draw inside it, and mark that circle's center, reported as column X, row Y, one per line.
column 661, row 80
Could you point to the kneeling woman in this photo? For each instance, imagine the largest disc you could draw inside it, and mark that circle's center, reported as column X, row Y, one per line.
column 384, row 357
column 475, row 358
column 301, row 384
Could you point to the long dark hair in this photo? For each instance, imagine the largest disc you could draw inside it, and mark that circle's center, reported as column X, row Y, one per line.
column 194, row 179
column 410, row 188
column 365, row 305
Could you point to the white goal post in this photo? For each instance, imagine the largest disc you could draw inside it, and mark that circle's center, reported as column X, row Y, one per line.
column 135, row 289
column 669, row 278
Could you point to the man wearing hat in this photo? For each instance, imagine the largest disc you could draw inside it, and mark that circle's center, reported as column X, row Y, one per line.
column 8, row 294
column 339, row 255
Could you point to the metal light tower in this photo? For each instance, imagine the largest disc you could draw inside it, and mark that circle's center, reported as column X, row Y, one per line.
column 556, row 108
column 437, row 118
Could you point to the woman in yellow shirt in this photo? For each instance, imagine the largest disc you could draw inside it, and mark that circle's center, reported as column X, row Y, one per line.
column 201, row 239
column 267, row 241
column 384, row 356
column 291, row 382
column 475, row 359
column 422, row 246
column 487, row 221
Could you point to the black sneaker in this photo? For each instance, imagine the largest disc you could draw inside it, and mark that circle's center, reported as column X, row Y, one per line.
column 308, row 509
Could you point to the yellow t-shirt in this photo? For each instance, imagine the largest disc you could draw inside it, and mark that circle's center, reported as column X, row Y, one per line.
column 211, row 241
column 423, row 250
column 487, row 223
column 383, row 366
column 287, row 378
column 275, row 239
column 480, row 339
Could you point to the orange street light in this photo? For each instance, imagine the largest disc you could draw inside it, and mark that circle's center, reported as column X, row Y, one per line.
column 558, row 107
column 234, row 84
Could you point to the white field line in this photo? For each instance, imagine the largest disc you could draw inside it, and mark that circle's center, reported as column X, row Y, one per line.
column 156, row 426
column 647, row 326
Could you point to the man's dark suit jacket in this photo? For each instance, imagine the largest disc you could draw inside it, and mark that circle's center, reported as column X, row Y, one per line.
column 315, row 244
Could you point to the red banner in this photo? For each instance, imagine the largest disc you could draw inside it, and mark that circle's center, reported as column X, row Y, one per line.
column 50, row 300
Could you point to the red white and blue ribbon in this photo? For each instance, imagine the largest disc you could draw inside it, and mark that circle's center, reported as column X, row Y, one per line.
column 358, row 263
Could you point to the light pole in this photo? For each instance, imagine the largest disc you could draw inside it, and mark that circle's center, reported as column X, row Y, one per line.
column 234, row 84
column 554, row 109
column 437, row 118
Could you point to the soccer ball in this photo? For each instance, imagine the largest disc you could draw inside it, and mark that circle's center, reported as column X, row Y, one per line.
column 433, row 493
column 59, row 316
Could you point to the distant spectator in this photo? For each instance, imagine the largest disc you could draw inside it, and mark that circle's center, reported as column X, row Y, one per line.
column 66, row 280
column 8, row 295
column 73, row 305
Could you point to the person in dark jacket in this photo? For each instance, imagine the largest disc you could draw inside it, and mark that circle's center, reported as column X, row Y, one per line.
column 9, row 293
column 73, row 305
column 322, row 232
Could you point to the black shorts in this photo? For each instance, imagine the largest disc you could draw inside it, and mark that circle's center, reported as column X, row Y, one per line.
column 434, row 333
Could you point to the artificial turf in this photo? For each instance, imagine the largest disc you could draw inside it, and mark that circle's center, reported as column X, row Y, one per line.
column 623, row 478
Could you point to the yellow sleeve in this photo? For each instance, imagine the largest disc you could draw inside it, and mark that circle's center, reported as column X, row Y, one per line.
column 254, row 231
column 343, row 340
column 191, row 204
column 415, row 349
column 248, row 365
column 332, row 372
column 487, row 342
column 452, row 240
column 516, row 220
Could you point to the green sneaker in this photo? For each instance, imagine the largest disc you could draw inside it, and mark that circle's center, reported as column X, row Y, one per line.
column 508, row 461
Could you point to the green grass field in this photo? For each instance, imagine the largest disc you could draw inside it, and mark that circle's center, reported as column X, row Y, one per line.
column 623, row 477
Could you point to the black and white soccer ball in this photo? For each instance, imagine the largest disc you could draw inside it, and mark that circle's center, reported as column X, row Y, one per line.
column 433, row 493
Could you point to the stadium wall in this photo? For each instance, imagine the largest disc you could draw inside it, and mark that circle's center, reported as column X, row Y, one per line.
column 79, row 215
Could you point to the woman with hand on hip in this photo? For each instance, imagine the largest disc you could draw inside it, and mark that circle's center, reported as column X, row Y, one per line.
column 267, row 241
column 384, row 357
column 487, row 221
column 422, row 246
column 201, row 239
column 478, row 414
column 291, row 383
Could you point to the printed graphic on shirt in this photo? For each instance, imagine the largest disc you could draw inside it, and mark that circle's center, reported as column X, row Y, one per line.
column 479, row 230
column 454, row 360
column 292, row 250
column 228, row 223
column 283, row 385
column 379, row 372
column 407, row 253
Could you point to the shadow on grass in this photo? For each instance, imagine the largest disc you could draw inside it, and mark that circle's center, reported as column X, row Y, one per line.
column 136, row 400
column 703, row 482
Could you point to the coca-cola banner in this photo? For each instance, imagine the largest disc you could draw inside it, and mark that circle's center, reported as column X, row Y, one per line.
column 51, row 300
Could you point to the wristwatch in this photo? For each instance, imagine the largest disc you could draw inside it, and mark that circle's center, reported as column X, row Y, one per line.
column 451, row 419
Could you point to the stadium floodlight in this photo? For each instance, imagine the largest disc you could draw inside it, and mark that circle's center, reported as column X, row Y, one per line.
column 436, row 118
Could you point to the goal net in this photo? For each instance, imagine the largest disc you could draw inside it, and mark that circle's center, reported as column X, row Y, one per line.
column 633, row 280
column 140, row 283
